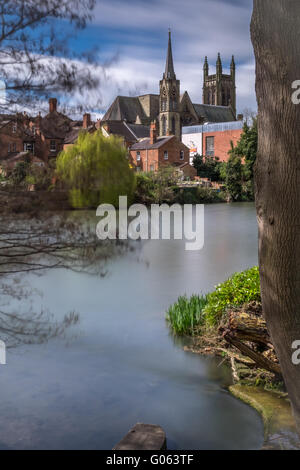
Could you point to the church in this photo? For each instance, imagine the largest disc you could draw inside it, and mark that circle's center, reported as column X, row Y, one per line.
column 171, row 110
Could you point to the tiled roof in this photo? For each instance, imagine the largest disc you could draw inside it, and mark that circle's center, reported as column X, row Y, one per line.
column 212, row 113
column 145, row 143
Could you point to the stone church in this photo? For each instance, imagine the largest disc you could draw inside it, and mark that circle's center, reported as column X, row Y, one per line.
column 172, row 110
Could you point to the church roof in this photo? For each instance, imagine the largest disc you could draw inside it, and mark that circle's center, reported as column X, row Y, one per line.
column 125, row 108
column 121, row 129
column 212, row 113
column 139, row 130
column 169, row 71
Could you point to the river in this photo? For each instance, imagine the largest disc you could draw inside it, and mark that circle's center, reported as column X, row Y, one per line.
column 120, row 365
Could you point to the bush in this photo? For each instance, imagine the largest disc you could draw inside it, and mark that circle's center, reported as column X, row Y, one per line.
column 186, row 314
column 237, row 290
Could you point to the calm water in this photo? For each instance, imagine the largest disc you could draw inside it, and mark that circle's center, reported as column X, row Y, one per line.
column 122, row 366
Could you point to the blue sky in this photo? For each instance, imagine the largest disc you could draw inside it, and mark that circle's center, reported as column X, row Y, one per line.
column 131, row 36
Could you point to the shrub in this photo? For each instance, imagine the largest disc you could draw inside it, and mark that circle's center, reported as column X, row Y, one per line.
column 237, row 290
column 186, row 314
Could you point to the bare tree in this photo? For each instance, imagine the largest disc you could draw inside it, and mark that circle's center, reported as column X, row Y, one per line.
column 276, row 38
column 34, row 58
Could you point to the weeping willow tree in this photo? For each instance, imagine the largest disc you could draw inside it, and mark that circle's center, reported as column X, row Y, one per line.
column 96, row 170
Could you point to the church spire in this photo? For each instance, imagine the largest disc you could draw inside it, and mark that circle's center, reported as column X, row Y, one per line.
column 169, row 72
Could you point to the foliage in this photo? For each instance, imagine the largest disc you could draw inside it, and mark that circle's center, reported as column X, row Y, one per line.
column 238, row 171
column 156, row 187
column 239, row 289
column 144, row 188
column 40, row 176
column 186, row 314
column 19, row 172
column 164, row 181
column 96, row 170
column 234, row 176
column 207, row 167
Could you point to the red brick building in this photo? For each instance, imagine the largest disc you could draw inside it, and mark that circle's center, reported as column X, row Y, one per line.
column 150, row 154
column 212, row 140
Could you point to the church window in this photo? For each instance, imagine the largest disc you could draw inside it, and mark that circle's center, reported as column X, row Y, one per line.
column 164, row 125
column 164, row 104
column 173, row 125
column 166, row 155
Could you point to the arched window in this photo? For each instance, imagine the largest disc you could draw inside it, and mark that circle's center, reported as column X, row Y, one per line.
column 163, row 125
column 173, row 125
column 164, row 104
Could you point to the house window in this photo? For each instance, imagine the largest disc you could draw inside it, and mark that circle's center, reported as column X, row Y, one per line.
column 181, row 155
column 52, row 146
column 166, row 156
column 12, row 148
column 210, row 146
column 14, row 127
column 151, row 167
column 138, row 156
column 29, row 147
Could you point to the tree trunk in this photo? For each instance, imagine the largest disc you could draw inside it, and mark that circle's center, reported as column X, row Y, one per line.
column 275, row 32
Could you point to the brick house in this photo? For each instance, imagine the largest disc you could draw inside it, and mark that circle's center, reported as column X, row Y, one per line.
column 43, row 137
column 151, row 153
column 12, row 132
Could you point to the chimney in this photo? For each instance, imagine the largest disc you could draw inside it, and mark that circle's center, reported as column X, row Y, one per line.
column 152, row 133
column 52, row 105
column 86, row 121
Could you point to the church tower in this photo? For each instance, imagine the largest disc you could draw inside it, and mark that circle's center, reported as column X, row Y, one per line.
column 169, row 99
column 219, row 89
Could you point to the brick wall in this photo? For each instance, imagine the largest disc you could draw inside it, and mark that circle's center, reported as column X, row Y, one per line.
column 222, row 142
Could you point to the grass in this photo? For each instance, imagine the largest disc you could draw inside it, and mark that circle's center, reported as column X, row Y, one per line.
column 187, row 314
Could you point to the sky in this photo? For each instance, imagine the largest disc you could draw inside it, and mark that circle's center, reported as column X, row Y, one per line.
column 132, row 37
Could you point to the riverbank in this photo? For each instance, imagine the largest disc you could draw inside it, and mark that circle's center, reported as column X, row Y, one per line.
column 228, row 323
